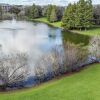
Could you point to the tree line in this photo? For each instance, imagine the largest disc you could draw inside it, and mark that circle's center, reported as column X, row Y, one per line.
column 78, row 15
column 75, row 16
column 53, row 13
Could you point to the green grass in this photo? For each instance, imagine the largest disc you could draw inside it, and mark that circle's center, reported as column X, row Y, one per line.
column 44, row 20
column 84, row 85
column 91, row 32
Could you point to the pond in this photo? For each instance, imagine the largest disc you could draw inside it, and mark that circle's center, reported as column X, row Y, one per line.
column 35, row 39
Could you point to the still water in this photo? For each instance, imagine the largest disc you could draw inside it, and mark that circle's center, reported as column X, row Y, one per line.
column 34, row 39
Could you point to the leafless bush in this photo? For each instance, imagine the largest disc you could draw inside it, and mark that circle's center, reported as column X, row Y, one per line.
column 59, row 61
column 94, row 48
column 49, row 63
column 75, row 56
column 13, row 69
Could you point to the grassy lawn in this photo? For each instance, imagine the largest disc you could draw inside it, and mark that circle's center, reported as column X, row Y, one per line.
column 91, row 32
column 56, row 24
column 84, row 85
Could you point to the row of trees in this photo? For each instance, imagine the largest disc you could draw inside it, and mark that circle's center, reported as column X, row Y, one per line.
column 78, row 15
column 33, row 11
column 51, row 12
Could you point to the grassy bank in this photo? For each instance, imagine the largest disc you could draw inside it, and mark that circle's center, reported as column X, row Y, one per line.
column 84, row 85
column 91, row 32
column 44, row 20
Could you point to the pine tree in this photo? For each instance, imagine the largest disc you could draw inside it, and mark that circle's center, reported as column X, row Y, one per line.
column 88, row 16
column 49, row 9
column 84, row 14
column 68, row 20
column 53, row 16
column 0, row 12
column 80, row 13
column 34, row 13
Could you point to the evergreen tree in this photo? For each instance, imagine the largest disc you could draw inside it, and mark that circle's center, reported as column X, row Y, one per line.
column 68, row 20
column 84, row 14
column 49, row 9
column 88, row 16
column 78, row 15
column 34, row 13
column 53, row 16
column 0, row 12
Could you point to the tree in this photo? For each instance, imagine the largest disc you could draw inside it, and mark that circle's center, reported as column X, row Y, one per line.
column 96, row 14
column 44, row 11
column 34, row 13
column 49, row 9
column 13, row 69
column 28, row 11
column 15, row 10
column 84, row 14
column 88, row 16
column 78, row 15
column 39, row 11
column 67, row 18
column 53, row 16
column 59, row 12
column 0, row 12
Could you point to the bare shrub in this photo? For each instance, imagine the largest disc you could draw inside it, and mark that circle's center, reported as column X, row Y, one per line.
column 94, row 48
column 59, row 61
column 75, row 56
column 13, row 69
column 49, row 65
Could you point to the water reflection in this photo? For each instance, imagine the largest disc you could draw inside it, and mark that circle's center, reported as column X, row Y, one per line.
column 76, row 38
column 37, row 40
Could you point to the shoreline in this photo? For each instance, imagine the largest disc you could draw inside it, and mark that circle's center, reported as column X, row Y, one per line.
column 50, row 81
column 90, row 32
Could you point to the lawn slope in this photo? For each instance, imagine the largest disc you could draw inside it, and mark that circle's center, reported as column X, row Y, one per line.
column 44, row 20
column 84, row 85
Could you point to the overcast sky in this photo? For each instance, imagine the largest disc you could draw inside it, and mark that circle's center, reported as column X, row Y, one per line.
column 43, row 2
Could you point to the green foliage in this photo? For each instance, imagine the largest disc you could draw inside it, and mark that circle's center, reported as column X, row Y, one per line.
column 54, row 13
column 53, row 16
column 78, row 15
column 49, row 9
column 15, row 10
column 51, row 12
column 68, row 20
column 0, row 12
column 44, row 12
column 34, row 12
column 27, row 11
